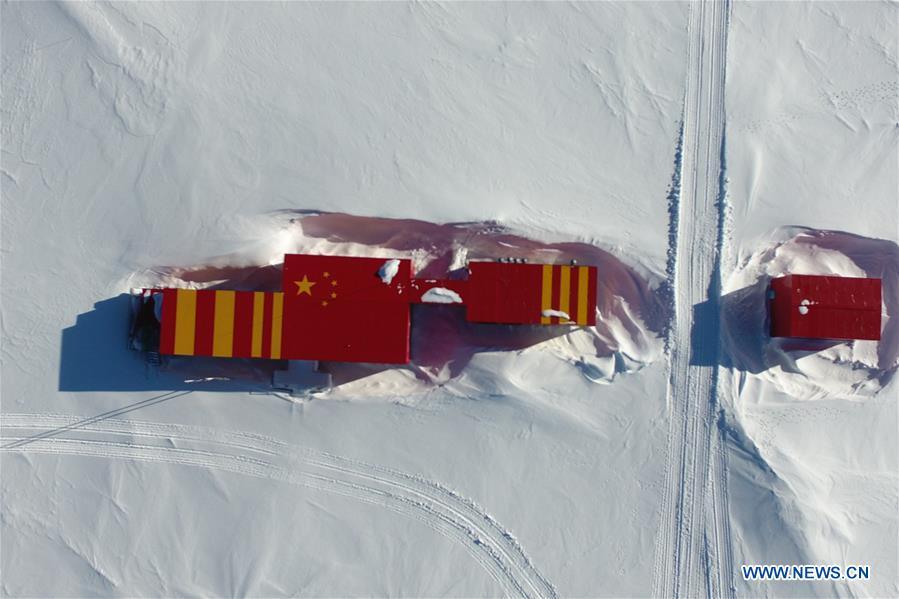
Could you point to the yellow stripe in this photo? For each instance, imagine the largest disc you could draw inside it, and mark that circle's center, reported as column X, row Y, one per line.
column 223, row 331
column 583, row 287
column 564, row 290
column 258, row 314
column 185, row 319
column 277, row 310
column 546, row 298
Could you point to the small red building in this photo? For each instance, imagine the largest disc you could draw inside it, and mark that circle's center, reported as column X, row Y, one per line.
column 825, row 307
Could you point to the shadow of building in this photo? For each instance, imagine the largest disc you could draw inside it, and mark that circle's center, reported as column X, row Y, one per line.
column 95, row 356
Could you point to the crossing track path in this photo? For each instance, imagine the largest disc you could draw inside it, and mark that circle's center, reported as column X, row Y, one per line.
column 692, row 550
column 494, row 548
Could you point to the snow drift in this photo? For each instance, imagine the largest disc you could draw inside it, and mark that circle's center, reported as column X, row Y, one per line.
column 812, row 369
column 630, row 313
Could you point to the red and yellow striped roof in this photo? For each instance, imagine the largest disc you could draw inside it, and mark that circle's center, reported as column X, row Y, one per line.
column 521, row 293
column 221, row 323
column 568, row 289
column 340, row 308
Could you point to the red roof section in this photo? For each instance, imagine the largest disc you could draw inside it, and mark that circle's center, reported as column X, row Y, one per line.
column 339, row 308
column 825, row 307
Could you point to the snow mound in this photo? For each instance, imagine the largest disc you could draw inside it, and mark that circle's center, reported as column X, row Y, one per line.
column 388, row 270
column 441, row 295
column 556, row 313
column 811, row 369
column 630, row 317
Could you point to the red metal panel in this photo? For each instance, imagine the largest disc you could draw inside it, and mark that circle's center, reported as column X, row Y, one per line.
column 825, row 307
column 591, row 296
column 514, row 293
column 834, row 292
column 338, row 309
column 205, row 326
column 345, row 330
column 383, row 337
column 504, row 293
column 837, row 292
column 556, row 278
column 200, row 329
column 868, row 326
column 779, row 308
column 348, row 277
column 836, row 323
column 167, row 332
column 573, row 294
column 267, row 326
column 243, row 324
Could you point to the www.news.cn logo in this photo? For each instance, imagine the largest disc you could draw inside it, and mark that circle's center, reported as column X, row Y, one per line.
column 804, row 572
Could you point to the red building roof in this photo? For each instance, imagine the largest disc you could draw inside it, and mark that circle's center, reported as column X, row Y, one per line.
column 221, row 323
column 825, row 307
column 351, row 309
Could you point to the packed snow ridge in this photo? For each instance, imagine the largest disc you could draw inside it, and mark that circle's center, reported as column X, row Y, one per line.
column 441, row 295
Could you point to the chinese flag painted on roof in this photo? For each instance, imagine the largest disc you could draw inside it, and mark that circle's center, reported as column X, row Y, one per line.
column 338, row 309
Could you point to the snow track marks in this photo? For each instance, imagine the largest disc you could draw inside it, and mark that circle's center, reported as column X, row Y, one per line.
column 690, row 558
column 439, row 508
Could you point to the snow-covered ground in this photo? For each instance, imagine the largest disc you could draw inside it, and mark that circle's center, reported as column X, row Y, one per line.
column 812, row 135
column 689, row 150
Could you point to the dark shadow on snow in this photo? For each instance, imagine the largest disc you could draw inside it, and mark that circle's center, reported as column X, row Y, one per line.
column 746, row 342
column 95, row 357
column 144, row 403
column 705, row 334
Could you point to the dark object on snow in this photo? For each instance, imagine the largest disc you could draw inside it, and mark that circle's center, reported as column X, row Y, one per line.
column 145, row 328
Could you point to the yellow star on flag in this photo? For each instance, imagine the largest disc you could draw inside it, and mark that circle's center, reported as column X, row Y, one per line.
column 304, row 286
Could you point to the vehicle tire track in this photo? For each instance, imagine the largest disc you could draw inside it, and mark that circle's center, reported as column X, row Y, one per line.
column 721, row 561
column 440, row 508
column 688, row 542
column 434, row 520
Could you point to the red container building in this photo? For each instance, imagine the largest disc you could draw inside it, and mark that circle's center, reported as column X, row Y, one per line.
column 825, row 307
column 352, row 309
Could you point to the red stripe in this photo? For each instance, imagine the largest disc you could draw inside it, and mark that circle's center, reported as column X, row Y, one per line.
column 574, row 282
column 205, row 325
column 167, row 335
column 557, row 284
column 267, row 327
column 591, row 298
column 243, row 324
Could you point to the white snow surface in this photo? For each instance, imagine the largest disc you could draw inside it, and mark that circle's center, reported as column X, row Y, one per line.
column 556, row 313
column 193, row 144
column 388, row 270
column 812, row 454
column 441, row 295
